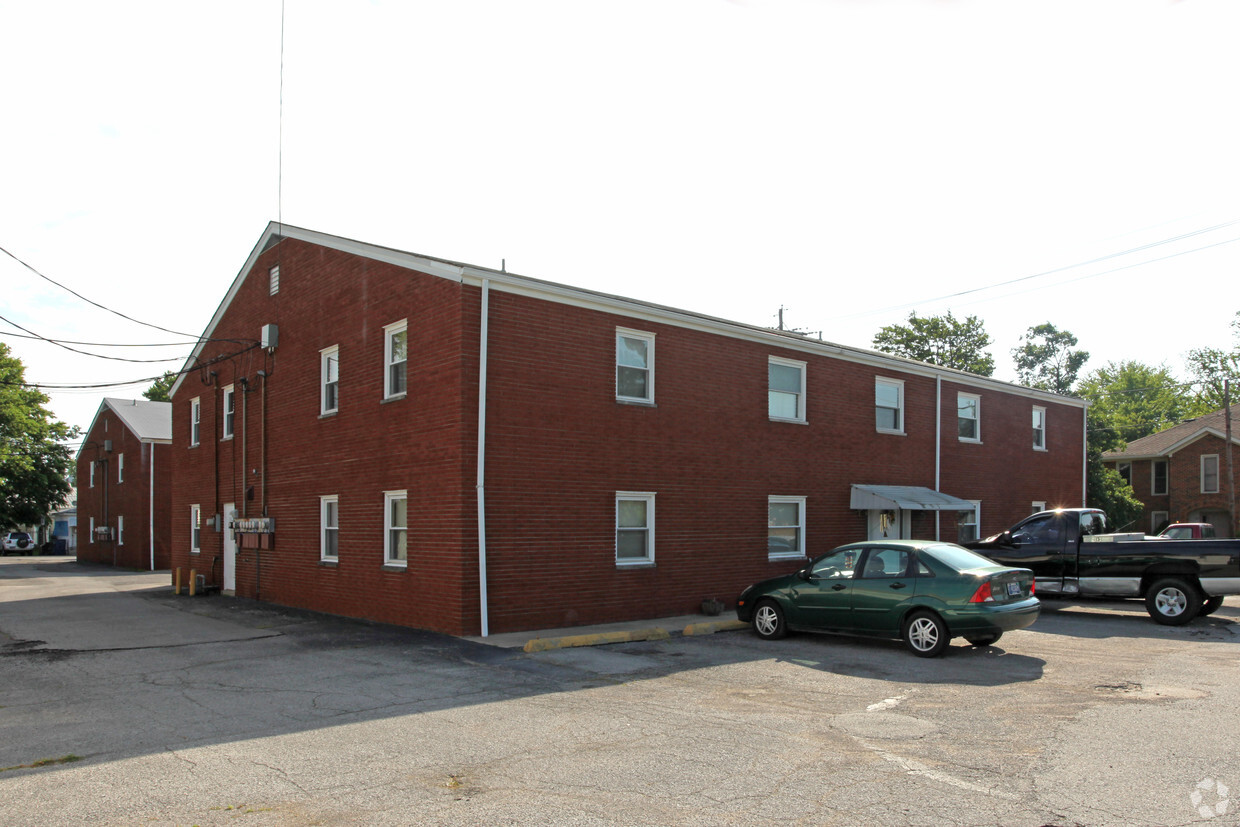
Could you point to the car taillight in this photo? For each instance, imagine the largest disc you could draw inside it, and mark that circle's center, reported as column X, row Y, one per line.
column 1033, row 584
column 983, row 594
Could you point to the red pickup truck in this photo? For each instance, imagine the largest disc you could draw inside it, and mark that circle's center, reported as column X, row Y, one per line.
column 1188, row 531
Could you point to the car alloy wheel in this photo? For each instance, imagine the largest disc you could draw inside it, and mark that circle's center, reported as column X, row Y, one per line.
column 925, row 635
column 768, row 621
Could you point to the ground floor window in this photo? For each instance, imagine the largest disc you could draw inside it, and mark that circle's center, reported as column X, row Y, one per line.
column 1158, row 521
column 967, row 523
column 195, row 529
column 329, row 527
column 395, row 528
column 634, row 527
column 785, row 527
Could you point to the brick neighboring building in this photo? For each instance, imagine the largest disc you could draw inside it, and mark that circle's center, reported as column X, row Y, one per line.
column 1181, row 473
column 380, row 434
column 124, row 480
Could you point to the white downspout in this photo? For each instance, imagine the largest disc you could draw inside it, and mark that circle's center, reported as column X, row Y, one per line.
column 482, row 443
column 938, row 445
column 150, row 509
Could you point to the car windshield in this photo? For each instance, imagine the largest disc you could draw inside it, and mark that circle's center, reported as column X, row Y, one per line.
column 960, row 559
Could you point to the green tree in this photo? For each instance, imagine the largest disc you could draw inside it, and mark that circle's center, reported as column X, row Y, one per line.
column 158, row 391
column 940, row 340
column 1047, row 359
column 35, row 464
column 1106, row 489
column 1130, row 400
column 1209, row 366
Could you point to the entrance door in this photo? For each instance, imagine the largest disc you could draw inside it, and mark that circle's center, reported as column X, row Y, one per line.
column 885, row 524
column 230, row 550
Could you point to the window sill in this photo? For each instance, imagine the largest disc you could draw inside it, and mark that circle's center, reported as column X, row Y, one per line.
column 328, row 414
column 191, row 551
column 192, row 445
column 640, row 403
column 226, row 438
column 970, row 441
column 789, row 421
column 329, row 563
column 396, row 397
column 1040, row 450
column 639, row 564
column 395, row 567
column 890, row 431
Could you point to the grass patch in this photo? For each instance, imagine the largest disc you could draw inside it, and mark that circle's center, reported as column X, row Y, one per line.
column 46, row 762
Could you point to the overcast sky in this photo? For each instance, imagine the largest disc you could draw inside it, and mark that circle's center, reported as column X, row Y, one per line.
column 849, row 160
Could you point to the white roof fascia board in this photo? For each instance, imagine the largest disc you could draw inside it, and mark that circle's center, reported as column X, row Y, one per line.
column 1196, row 435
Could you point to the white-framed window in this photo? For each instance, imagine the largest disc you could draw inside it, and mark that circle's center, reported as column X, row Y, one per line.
column 1038, row 505
column 969, row 416
column 120, row 530
column 1157, row 518
column 889, row 405
column 1209, row 473
column 195, row 420
column 92, row 472
column 120, row 468
column 329, row 380
column 785, row 527
column 395, row 358
column 634, row 365
column 195, row 529
column 786, row 389
column 274, row 276
column 329, row 527
column 91, row 536
column 1039, row 428
column 396, row 528
column 1158, row 476
column 1125, row 471
column 230, row 411
column 634, row 528
column 967, row 523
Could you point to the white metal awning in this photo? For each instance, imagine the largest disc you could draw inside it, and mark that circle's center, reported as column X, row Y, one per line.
column 907, row 497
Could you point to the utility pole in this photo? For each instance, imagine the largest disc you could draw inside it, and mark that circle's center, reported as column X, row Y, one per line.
column 1231, row 474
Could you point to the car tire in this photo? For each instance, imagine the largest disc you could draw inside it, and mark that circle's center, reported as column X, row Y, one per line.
column 1172, row 601
column 768, row 620
column 985, row 640
column 925, row 634
column 1211, row 605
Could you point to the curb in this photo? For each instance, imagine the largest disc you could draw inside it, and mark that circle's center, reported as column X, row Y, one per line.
column 546, row 644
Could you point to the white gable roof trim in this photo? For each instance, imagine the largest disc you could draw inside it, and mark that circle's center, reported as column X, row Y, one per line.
column 605, row 303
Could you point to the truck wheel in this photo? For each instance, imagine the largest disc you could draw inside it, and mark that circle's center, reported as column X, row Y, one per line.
column 1211, row 605
column 1172, row 602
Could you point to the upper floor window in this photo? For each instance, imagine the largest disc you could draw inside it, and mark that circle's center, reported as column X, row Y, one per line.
column 329, row 527
column 967, row 523
column 889, row 405
column 120, row 468
column 230, row 403
column 969, row 416
column 1039, row 429
column 1158, row 519
column 1038, row 505
column 1125, row 471
column 1209, row 473
column 395, row 357
column 329, row 373
column 634, row 365
column 92, row 473
column 396, row 528
column 634, row 528
column 786, row 389
column 195, row 529
column 195, row 420
column 785, row 527
column 1158, row 476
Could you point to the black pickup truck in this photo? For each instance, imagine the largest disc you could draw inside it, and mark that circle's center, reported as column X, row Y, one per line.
column 1071, row 553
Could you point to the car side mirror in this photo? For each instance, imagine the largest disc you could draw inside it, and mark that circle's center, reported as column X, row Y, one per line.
column 1007, row 538
column 803, row 574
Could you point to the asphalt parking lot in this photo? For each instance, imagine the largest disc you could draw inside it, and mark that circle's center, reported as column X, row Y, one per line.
column 123, row 704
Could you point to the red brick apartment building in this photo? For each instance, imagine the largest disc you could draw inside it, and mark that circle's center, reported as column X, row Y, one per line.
column 1181, row 473
column 124, row 475
column 385, row 435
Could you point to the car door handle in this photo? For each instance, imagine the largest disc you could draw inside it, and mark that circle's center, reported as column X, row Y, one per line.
column 897, row 585
column 838, row 587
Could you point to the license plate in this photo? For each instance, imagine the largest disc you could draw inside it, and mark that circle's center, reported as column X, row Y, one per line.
column 1013, row 589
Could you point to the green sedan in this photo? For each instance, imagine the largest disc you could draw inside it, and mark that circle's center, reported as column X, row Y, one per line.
column 923, row 592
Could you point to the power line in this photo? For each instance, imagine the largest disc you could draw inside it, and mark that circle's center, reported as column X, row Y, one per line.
column 34, row 335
